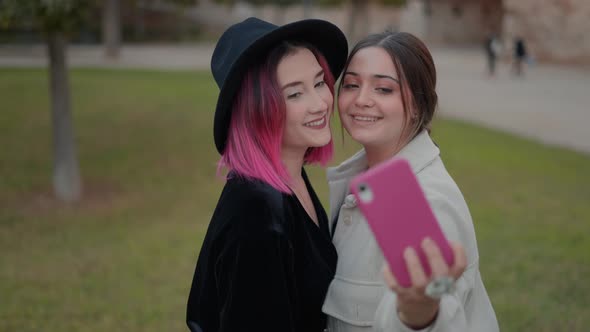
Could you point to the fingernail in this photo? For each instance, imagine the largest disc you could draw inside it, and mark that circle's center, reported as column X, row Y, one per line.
column 426, row 243
column 408, row 252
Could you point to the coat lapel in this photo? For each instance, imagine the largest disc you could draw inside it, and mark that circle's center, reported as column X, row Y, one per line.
column 338, row 179
column 420, row 152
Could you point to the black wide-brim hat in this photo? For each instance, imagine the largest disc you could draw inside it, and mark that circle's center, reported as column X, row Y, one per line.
column 249, row 42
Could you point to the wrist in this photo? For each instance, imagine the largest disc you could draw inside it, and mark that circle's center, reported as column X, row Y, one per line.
column 419, row 319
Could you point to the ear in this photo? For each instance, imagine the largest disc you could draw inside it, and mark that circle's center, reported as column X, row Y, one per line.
column 413, row 111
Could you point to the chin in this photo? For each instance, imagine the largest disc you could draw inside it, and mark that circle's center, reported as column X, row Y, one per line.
column 322, row 143
column 322, row 139
column 361, row 137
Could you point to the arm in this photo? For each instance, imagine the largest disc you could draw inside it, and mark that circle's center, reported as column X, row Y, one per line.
column 403, row 308
column 450, row 316
column 243, row 280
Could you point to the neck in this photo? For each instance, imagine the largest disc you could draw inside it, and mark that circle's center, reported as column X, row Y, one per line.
column 381, row 152
column 378, row 154
column 293, row 161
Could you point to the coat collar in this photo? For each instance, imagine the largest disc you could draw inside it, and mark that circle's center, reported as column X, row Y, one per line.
column 420, row 152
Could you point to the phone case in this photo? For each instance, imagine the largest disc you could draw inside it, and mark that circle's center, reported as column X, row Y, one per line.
column 396, row 209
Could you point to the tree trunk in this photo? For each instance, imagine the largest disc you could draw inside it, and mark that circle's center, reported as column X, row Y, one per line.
column 66, row 175
column 111, row 28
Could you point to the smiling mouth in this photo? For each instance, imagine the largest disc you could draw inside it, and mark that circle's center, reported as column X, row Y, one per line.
column 365, row 118
column 316, row 123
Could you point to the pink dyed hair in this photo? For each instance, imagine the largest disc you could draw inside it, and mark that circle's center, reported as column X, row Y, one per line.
column 253, row 147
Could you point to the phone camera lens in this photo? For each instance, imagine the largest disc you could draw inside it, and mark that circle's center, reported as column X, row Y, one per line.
column 365, row 193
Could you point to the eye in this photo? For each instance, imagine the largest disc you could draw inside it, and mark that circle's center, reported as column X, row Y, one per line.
column 384, row 90
column 294, row 95
column 349, row 86
column 320, row 84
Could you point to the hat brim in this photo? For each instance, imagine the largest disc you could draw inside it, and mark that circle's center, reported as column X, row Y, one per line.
column 323, row 35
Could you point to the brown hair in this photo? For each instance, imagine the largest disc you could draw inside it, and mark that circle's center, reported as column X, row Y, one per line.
column 415, row 67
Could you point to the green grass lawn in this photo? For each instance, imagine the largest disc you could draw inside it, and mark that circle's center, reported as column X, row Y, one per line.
column 122, row 260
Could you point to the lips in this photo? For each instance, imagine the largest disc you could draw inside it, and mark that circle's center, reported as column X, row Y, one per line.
column 316, row 124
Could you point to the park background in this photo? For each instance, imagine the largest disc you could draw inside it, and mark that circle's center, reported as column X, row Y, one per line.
column 108, row 167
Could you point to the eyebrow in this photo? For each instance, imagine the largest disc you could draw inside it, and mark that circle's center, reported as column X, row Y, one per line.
column 375, row 75
column 320, row 73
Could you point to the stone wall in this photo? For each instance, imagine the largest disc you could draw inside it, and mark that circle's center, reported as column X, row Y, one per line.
column 447, row 24
column 452, row 22
column 378, row 19
column 556, row 30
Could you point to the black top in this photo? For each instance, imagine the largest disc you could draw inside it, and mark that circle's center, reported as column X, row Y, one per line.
column 264, row 264
column 519, row 48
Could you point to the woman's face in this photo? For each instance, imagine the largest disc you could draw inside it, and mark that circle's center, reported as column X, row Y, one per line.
column 308, row 101
column 370, row 100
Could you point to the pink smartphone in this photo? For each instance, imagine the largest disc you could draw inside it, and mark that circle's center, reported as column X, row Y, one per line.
column 392, row 201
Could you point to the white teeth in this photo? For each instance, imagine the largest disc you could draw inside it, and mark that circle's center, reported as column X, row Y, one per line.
column 316, row 123
column 365, row 118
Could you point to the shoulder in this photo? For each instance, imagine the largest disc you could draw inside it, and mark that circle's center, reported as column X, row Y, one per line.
column 250, row 193
column 447, row 202
column 348, row 168
column 438, row 183
column 450, row 209
column 248, row 206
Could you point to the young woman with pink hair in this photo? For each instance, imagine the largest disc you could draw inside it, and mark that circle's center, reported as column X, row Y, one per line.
column 267, row 258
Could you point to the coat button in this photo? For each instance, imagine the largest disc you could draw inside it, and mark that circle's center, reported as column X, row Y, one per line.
column 347, row 220
column 349, row 201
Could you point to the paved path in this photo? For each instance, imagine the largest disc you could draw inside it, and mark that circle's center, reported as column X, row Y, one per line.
column 168, row 57
column 551, row 104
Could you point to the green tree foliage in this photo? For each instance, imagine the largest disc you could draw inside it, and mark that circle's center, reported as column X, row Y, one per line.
column 398, row 3
column 281, row 3
column 47, row 15
column 325, row 3
column 57, row 15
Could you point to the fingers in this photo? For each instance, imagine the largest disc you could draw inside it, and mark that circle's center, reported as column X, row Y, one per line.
column 402, row 292
column 438, row 265
column 389, row 278
column 460, row 260
column 437, row 262
column 415, row 270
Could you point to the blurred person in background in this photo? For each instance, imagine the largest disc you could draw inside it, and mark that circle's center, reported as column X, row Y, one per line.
column 492, row 50
column 520, row 56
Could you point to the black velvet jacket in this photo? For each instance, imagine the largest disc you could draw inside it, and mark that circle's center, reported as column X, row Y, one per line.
column 264, row 264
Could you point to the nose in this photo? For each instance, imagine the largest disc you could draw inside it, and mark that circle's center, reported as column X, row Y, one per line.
column 363, row 98
column 318, row 104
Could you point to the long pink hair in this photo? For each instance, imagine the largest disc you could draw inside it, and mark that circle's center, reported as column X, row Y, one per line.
column 253, row 147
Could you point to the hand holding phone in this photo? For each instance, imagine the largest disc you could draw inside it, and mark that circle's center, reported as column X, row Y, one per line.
column 396, row 209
